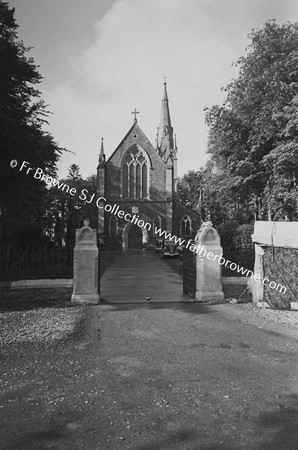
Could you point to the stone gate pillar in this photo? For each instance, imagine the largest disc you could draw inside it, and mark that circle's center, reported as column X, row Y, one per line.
column 208, row 269
column 85, row 267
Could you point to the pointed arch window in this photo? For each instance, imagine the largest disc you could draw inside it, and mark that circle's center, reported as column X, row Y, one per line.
column 185, row 226
column 135, row 174
column 113, row 226
column 156, row 224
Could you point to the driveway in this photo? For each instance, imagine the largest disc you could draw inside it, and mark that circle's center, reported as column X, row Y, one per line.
column 155, row 376
column 138, row 276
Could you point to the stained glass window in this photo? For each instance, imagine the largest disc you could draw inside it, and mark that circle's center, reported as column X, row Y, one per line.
column 135, row 174
column 186, row 226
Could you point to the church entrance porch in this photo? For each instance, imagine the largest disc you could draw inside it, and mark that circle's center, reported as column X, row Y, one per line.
column 135, row 238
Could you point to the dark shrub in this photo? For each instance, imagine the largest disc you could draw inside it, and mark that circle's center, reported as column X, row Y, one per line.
column 226, row 231
column 237, row 245
column 244, row 246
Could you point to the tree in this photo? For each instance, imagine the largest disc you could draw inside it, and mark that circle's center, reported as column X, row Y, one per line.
column 190, row 188
column 62, row 204
column 23, row 199
column 74, row 174
column 210, row 191
column 253, row 136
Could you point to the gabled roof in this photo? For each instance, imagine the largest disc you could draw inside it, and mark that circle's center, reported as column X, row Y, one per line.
column 135, row 128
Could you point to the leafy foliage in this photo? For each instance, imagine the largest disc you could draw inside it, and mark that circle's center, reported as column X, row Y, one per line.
column 23, row 199
column 254, row 134
column 227, row 231
column 190, row 188
column 211, row 192
column 62, row 204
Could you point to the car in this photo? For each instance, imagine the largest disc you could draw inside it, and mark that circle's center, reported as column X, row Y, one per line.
column 158, row 245
column 170, row 249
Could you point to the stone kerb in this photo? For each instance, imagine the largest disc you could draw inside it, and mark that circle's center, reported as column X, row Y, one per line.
column 208, row 269
column 85, row 267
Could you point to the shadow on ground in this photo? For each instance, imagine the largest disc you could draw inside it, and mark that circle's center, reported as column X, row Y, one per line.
column 59, row 429
column 282, row 424
column 182, row 437
column 59, row 432
column 28, row 299
column 191, row 307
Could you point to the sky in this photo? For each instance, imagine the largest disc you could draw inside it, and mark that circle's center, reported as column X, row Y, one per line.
column 100, row 59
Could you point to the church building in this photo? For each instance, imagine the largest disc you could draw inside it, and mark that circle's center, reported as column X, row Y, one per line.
column 141, row 180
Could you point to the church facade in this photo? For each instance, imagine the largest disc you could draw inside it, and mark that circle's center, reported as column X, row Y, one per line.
column 140, row 180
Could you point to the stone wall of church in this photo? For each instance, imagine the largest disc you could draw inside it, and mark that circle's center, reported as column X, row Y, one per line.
column 180, row 211
column 145, row 211
column 147, row 208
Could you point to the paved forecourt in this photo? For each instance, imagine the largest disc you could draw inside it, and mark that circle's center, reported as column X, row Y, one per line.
column 138, row 277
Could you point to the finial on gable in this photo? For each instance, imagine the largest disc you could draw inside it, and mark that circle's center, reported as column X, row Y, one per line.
column 102, row 156
column 101, row 147
column 135, row 112
column 175, row 143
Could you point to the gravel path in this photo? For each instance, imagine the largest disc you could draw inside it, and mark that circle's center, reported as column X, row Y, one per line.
column 45, row 326
column 159, row 376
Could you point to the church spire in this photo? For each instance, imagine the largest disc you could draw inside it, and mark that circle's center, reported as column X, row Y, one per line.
column 165, row 141
column 102, row 156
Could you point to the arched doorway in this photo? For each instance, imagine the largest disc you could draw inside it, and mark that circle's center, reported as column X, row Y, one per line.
column 135, row 237
column 125, row 235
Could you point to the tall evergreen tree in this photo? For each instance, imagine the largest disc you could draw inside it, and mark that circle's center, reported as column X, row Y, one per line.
column 23, row 199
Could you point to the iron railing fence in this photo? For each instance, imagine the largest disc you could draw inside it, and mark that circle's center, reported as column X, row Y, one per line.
column 30, row 262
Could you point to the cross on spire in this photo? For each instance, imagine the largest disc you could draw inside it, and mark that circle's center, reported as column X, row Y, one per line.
column 165, row 79
column 135, row 112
